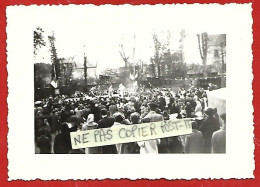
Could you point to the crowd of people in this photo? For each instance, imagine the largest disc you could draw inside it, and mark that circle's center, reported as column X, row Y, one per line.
column 56, row 117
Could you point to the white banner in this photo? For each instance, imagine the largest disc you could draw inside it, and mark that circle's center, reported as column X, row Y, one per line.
column 130, row 133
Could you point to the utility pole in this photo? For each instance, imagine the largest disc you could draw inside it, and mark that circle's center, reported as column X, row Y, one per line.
column 85, row 68
column 182, row 53
column 223, row 66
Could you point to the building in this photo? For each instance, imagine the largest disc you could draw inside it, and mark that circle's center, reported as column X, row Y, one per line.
column 217, row 52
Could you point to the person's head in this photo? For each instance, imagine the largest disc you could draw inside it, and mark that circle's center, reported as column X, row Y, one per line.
column 71, row 112
column 90, row 118
column 64, row 128
column 42, row 132
column 209, row 112
column 223, row 117
column 119, row 117
column 103, row 112
column 158, row 111
column 194, row 125
column 135, row 118
column 153, row 106
column 45, row 121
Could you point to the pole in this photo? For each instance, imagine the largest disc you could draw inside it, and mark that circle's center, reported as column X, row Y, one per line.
column 85, row 69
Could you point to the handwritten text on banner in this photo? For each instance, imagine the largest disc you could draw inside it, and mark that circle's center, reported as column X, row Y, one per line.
column 130, row 133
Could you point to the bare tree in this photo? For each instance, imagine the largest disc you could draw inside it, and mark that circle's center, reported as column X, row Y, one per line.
column 156, row 60
column 203, row 48
column 130, row 63
column 123, row 55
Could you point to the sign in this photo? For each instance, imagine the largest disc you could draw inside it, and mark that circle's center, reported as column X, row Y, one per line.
column 130, row 133
column 57, row 91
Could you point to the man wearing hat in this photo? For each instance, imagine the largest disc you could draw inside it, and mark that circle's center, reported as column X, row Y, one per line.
column 208, row 127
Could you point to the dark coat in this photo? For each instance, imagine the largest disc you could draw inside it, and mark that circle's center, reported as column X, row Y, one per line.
column 208, row 127
column 106, row 123
column 44, row 143
column 62, row 144
column 162, row 103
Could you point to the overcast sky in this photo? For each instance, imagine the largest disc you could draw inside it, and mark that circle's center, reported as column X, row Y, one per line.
column 103, row 28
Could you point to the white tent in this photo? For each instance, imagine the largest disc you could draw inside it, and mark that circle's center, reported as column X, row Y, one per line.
column 217, row 99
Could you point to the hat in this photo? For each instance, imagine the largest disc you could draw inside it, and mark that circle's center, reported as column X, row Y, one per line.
column 209, row 111
column 90, row 118
column 116, row 114
column 135, row 117
column 223, row 116
column 153, row 104
column 103, row 111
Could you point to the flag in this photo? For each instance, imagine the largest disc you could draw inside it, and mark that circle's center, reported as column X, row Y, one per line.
column 54, row 84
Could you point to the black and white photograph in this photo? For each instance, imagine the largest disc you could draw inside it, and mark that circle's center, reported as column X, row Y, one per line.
column 129, row 78
column 147, row 84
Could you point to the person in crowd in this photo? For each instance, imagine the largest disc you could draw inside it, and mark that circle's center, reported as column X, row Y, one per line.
column 44, row 142
column 112, row 109
column 132, row 147
column 119, row 121
column 90, row 125
column 151, row 146
column 38, row 119
column 62, row 143
column 194, row 142
column 162, row 102
column 55, row 122
column 217, row 117
column 208, row 127
column 188, row 110
column 46, row 128
column 106, row 122
column 219, row 138
column 170, row 104
column 198, row 109
column 46, row 124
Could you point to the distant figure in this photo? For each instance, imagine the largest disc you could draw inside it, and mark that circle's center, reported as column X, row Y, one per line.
column 217, row 117
column 194, row 141
column 121, row 89
column 110, row 91
column 112, row 109
column 219, row 138
column 188, row 110
column 198, row 109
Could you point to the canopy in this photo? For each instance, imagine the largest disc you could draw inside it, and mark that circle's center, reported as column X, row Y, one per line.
column 217, row 99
